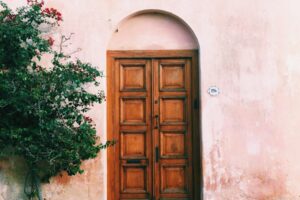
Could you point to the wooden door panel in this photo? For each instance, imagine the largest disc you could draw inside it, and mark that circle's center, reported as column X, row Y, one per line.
column 134, row 179
column 133, row 76
column 172, row 110
column 173, row 172
column 172, row 144
column 133, row 120
column 133, row 144
column 173, row 178
column 133, row 110
column 172, row 75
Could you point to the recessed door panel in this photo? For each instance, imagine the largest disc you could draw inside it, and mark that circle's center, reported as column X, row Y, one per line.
column 172, row 110
column 172, row 76
column 133, row 144
column 173, row 144
column 174, row 179
column 134, row 179
column 133, row 76
column 133, row 110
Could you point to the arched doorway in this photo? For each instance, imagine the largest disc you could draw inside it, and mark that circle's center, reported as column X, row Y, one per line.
column 153, row 109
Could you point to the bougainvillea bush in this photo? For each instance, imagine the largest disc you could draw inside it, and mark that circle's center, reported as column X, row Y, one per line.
column 42, row 107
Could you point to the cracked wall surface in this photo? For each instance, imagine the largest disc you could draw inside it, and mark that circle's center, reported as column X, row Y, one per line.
column 250, row 49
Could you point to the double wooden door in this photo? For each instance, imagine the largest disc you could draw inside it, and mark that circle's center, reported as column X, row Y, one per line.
column 152, row 122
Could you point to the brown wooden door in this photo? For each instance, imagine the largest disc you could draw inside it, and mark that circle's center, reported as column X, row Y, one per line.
column 133, row 163
column 172, row 134
column 152, row 121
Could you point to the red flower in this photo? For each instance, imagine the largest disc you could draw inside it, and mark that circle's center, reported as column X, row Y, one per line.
column 88, row 119
column 39, row 68
column 53, row 13
column 11, row 17
column 50, row 41
column 41, row 4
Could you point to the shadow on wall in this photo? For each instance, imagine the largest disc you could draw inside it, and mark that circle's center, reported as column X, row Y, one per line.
column 12, row 177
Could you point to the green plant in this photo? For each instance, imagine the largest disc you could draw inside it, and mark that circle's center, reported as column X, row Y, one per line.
column 43, row 108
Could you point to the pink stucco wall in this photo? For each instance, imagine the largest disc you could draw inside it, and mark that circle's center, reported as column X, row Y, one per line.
column 148, row 30
column 250, row 49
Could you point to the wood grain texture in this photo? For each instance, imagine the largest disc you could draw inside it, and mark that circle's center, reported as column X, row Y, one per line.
column 151, row 95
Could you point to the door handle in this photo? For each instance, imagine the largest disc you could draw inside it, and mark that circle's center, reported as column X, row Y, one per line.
column 156, row 154
column 156, row 122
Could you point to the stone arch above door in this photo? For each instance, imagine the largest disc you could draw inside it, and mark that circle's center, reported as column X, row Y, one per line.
column 152, row 30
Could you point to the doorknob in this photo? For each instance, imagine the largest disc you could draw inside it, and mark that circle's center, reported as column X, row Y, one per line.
column 156, row 122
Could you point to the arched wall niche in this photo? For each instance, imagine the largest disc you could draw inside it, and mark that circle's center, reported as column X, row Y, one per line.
column 153, row 30
column 152, row 35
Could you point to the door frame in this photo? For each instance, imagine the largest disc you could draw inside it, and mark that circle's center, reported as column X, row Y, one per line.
column 196, row 108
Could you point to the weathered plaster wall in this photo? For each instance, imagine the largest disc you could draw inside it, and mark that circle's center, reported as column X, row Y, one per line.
column 250, row 49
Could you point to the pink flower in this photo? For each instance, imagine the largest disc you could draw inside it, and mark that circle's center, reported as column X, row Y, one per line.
column 35, row 2
column 50, row 41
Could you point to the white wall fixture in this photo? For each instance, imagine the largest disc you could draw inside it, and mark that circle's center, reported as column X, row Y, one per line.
column 213, row 91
